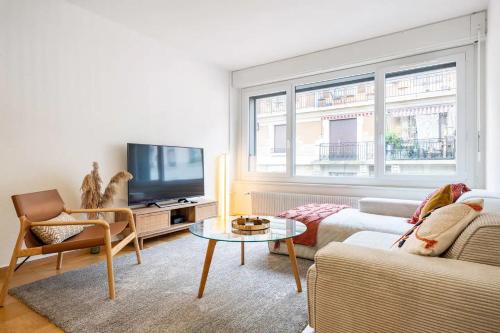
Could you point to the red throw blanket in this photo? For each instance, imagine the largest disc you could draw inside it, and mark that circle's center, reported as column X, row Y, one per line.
column 311, row 215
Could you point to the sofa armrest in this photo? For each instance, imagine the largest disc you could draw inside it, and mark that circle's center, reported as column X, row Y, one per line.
column 360, row 289
column 388, row 207
column 311, row 294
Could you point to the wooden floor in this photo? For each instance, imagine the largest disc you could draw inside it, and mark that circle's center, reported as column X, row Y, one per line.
column 17, row 317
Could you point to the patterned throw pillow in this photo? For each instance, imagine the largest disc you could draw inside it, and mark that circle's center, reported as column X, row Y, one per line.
column 57, row 234
column 456, row 190
column 442, row 227
column 443, row 197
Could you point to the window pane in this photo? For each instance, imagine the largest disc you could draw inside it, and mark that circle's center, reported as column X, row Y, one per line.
column 268, row 133
column 420, row 121
column 279, row 139
column 335, row 127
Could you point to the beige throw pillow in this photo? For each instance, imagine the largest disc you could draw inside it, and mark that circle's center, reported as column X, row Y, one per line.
column 57, row 234
column 438, row 231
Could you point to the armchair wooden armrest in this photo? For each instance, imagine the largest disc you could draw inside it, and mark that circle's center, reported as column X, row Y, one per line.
column 101, row 223
column 130, row 217
column 99, row 210
column 127, row 211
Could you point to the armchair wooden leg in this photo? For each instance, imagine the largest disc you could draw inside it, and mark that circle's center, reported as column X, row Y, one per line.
column 109, row 260
column 8, row 276
column 137, row 250
column 59, row 260
column 12, row 265
column 138, row 247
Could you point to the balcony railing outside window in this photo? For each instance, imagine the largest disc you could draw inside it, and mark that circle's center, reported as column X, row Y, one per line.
column 346, row 151
column 427, row 149
column 276, row 104
column 436, row 81
column 443, row 80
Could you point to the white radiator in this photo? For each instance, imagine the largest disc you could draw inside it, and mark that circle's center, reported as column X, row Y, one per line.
column 272, row 203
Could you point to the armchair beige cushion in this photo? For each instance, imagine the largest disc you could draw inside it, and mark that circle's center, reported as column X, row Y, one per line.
column 57, row 234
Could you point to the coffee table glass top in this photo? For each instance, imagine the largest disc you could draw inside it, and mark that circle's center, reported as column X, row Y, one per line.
column 220, row 229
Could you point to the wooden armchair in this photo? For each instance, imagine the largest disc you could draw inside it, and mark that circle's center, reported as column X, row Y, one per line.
column 34, row 209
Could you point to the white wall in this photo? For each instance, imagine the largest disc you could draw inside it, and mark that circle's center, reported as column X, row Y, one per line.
column 493, row 97
column 75, row 88
column 437, row 36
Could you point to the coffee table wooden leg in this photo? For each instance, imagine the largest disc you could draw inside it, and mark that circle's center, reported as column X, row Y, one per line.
column 242, row 253
column 206, row 266
column 293, row 261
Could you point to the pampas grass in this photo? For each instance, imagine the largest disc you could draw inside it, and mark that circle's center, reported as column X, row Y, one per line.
column 91, row 189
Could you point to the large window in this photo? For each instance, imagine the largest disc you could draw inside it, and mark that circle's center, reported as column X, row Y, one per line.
column 409, row 121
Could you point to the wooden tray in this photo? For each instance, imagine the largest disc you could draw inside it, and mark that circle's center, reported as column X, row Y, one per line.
column 250, row 223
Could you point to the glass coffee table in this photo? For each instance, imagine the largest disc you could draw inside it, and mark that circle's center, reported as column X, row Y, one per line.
column 220, row 229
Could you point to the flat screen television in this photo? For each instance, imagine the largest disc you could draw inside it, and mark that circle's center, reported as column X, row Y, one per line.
column 163, row 173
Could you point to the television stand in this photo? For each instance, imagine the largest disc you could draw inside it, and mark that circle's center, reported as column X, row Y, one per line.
column 153, row 204
column 152, row 221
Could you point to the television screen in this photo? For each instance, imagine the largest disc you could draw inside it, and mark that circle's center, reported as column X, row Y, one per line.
column 164, row 172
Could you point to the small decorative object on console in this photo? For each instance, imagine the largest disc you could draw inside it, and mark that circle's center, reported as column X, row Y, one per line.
column 250, row 223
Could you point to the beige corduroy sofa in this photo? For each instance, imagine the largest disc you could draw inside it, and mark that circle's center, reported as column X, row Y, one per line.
column 374, row 214
column 360, row 285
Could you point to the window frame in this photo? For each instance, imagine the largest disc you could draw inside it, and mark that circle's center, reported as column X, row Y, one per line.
column 467, row 156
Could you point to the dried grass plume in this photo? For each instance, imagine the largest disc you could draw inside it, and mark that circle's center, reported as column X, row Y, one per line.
column 91, row 189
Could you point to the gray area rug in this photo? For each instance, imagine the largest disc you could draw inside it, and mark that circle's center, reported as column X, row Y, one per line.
column 160, row 294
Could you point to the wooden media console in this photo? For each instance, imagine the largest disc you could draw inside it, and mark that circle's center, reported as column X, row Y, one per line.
column 154, row 221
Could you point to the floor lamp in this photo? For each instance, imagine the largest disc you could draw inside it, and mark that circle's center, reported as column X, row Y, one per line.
column 223, row 185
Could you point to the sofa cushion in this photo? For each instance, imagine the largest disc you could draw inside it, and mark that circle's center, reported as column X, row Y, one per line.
column 442, row 227
column 388, row 207
column 456, row 189
column 441, row 198
column 373, row 239
column 491, row 200
column 339, row 226
column 479, row 242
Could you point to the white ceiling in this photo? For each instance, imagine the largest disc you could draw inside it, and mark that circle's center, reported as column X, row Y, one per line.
column 236, row 34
